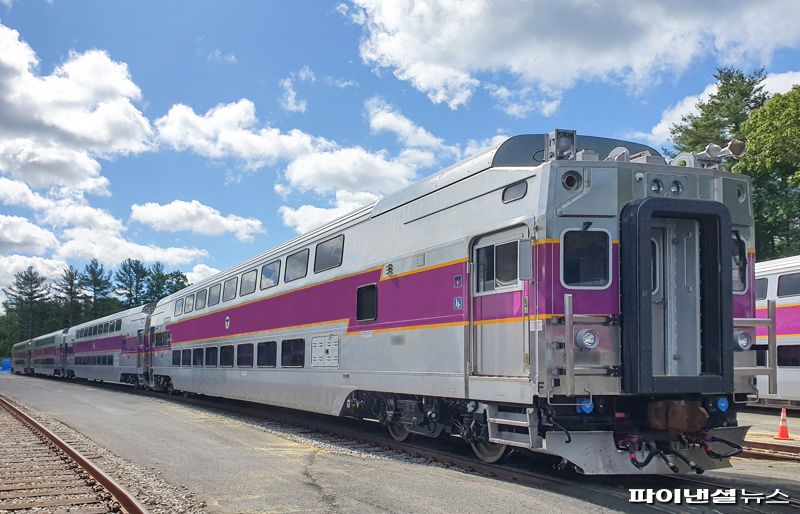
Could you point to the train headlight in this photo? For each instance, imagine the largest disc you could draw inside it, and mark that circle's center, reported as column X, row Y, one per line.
column 587, row 339
column 676, row 187
column 656, row 186
column 743, row 340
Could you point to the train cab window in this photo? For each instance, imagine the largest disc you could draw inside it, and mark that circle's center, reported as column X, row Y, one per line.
column 119, row 325
column 267, row 354
column 176, row 357
column 296, row 266
column 186, row 358
column 213, row 294
column 188, row 304
column 244, row 355
column 328, row 254
column 367, row 302
column 761, row 288
column 270, row 274
column 585, row 259
column 226, row 356
column 497, row 266
column 211, row 356
column 248, row 282
column 789, row 355
column 293, row 353
column 515, row 191
column 229, row 289
column 739, row 264
column 200, row 299
column 178, row 307
column 197, row 357
column 789, row 285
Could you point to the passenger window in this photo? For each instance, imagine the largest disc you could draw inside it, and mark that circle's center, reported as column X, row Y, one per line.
column 200, row 299
column 213, row 294
column 761, row 288
column 188, row 304
column 296, row 266
column 95, row 330
column 739, row 255
column 293, row 353
column 367, row 302
column 211, row 356
column 248, row 282
column 176, row 357
column 789, row 285
column 119, row 325
column 178, row 307
column 226, row 356
column 497, row 266
column 267, row 354
column 244, row 355
column 515, row 191
column 789, row 354
column 328, row 254
column 270, row 274
column 197, row 357
column 585, row 257
column 186, row 358
column 229, row 291
column 485, row 266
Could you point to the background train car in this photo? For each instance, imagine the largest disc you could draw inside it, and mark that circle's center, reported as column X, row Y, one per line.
column 487, row 300
column 21, row 357
column 111, row 348
column 779, row 280
column 48, row 354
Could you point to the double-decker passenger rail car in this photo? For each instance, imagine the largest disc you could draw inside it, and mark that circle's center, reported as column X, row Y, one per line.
column 568, row 294
column 42, row 355
column 21, row 357
column 779, row 281
column 112, row 348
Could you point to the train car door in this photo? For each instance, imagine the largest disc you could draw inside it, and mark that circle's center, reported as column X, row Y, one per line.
column 500, row 303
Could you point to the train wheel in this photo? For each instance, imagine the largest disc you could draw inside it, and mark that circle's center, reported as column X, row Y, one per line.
column 398, row 432
column 489, row 452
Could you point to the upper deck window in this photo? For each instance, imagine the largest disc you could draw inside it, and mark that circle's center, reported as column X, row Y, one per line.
column 178, row 307
column 200, row 299
column 328, row 254
column 248, row 282
column 585, row 259
column 119, row 325
column 213, row 294
column 789, row 285
column 761, row 288
column 229, row 290
column 188, row 304
column 270, row 274
column 296, row 266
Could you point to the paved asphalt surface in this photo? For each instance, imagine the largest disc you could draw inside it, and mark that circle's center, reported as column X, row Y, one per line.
column 238, row 468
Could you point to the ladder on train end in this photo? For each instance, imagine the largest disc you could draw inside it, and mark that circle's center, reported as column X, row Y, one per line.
column 502, row 426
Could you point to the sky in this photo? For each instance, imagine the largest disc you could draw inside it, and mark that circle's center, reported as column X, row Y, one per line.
column 201, row 133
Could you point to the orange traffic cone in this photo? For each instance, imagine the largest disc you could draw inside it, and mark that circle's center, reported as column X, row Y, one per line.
column 783, row 428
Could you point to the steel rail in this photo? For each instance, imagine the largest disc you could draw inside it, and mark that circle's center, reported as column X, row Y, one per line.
column 126, row 500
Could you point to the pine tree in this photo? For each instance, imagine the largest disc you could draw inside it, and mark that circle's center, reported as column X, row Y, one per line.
column 130, row 281
column 69, row 291
column 719, row 119
column 98, row 281
column 176, row 281
column 28, row 297
column 157, row 282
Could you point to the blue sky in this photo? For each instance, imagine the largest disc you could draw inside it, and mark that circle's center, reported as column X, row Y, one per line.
column 201, row 133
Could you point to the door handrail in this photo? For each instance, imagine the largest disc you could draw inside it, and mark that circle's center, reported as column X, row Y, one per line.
column 771, row 369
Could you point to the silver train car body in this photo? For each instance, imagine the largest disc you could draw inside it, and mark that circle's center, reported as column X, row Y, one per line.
column 539, row 295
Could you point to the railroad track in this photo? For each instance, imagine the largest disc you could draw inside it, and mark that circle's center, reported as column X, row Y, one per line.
column 40, row 472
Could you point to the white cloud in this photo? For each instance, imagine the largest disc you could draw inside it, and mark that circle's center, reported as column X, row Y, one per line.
column 229, row 130
column 19, row 235
column 54, row 127
column 476, row 146
column 182, row 216
column 659, row 134
column 12, row 264
column 387, row 118
column 290, row 101
column 423, row 42
column 200, row 272
column 220, row 56
column 340, row 82
column 308, row 217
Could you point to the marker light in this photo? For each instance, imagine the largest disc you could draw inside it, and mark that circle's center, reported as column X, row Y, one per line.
column 676, row 187
column 584, row 406
column 587, row 339
column 656, row 186
column 743, row 340
column 722, row 404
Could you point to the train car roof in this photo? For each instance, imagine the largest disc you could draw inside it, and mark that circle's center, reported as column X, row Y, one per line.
column 148, row 307
column 778, row 265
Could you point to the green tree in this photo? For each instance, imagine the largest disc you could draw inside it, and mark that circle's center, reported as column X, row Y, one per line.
column 176, row 281
column 130, row 280
column 157, row 282
column 9, row 329
column 772, row 161
column 69, row 292
column 28, row 298
column 97, row 280
column 719, row 119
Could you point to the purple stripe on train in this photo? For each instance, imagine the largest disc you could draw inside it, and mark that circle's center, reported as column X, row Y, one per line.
column 96, row 345
column 787, row 320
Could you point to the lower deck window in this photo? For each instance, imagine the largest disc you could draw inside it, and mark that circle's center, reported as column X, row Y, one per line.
column 244, row 355
column 267, row 354
column 197, row 357
column 176, row 357
column 293, row 353
column 186, row 359
column 211, row 356
column 226, row 356
column 585, row 258
column 789, row 355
